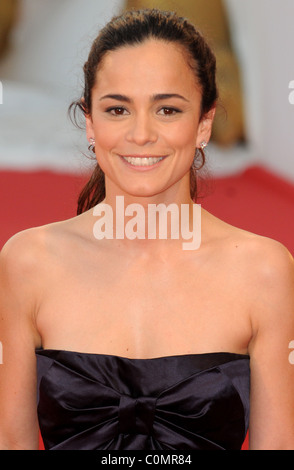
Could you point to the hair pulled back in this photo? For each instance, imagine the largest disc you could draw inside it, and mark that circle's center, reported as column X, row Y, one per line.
column 131, row 28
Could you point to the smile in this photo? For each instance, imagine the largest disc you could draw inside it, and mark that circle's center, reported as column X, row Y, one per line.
column 142, row 161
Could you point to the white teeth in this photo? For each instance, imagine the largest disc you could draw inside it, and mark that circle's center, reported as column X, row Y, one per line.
column 145, row 161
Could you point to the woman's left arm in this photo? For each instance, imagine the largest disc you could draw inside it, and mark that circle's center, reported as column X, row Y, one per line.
column 271, row 357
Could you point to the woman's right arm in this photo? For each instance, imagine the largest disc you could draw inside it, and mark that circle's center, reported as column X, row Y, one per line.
column 19, row 337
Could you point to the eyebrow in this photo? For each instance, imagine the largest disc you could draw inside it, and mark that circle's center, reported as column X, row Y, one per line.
column 156, row 97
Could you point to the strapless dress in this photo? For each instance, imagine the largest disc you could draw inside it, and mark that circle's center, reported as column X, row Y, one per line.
column 103, row 402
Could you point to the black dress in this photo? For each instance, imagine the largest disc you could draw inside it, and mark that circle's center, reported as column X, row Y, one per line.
column 104, row 402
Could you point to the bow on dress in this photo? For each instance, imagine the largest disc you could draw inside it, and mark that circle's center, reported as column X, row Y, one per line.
column 84, row 408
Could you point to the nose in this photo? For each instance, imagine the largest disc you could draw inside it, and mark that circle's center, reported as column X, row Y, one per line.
column 142, row 130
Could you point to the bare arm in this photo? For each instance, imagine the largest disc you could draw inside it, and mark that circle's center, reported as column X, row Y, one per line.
column 18, row 336
column 272, row 373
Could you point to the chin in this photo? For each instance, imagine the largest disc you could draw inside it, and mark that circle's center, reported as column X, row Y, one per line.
column 143, row 194
column 141, row 191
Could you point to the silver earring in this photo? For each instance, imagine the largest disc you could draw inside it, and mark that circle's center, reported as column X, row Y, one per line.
column 92, row 145
column 196, row 166
column 203, row 145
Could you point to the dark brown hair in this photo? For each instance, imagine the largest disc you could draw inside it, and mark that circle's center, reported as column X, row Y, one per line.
column 131, row 28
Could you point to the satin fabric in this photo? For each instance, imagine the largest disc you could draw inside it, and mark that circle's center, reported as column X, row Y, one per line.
column 98, row 402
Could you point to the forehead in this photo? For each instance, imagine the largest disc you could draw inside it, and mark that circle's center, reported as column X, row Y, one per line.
column 154, row 64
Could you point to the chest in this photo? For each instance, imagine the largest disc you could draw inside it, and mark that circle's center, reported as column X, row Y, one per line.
column 143, row 307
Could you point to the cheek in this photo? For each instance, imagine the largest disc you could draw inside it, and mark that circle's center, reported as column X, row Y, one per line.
column 105, row 137
column 104, row 143
column 184, row 139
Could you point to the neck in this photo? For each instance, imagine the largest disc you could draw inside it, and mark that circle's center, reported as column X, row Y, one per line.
column 149, row 222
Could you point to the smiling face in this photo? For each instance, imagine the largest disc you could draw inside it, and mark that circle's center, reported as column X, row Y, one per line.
column 145, row 120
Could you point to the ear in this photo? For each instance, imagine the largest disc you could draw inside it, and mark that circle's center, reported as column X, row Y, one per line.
column 89, row 127
column 89, row 124
column 205, row 127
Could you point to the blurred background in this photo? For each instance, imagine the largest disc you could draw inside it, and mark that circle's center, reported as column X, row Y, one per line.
column 43, row 46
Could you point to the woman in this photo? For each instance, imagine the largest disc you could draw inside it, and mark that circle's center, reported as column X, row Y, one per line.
column 143, row 344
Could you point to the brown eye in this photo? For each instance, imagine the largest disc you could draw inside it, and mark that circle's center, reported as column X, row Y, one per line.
column 119, row 111
column 169, row 111
column 116, row 111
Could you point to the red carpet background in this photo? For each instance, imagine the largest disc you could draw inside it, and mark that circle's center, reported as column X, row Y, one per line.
column 254, row 200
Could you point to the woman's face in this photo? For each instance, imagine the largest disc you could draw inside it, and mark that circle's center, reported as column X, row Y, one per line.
column 145, row 120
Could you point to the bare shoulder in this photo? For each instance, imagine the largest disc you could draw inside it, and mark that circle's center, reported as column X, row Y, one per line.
column 268, row 261
column 28, row 261
column 271, row 267
column 266, row 269
column 21, row 261
column 29, row 253
column 263, row 267
column 29, row 247
column 264, row 256
column 262, row 273
column 22, row 253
